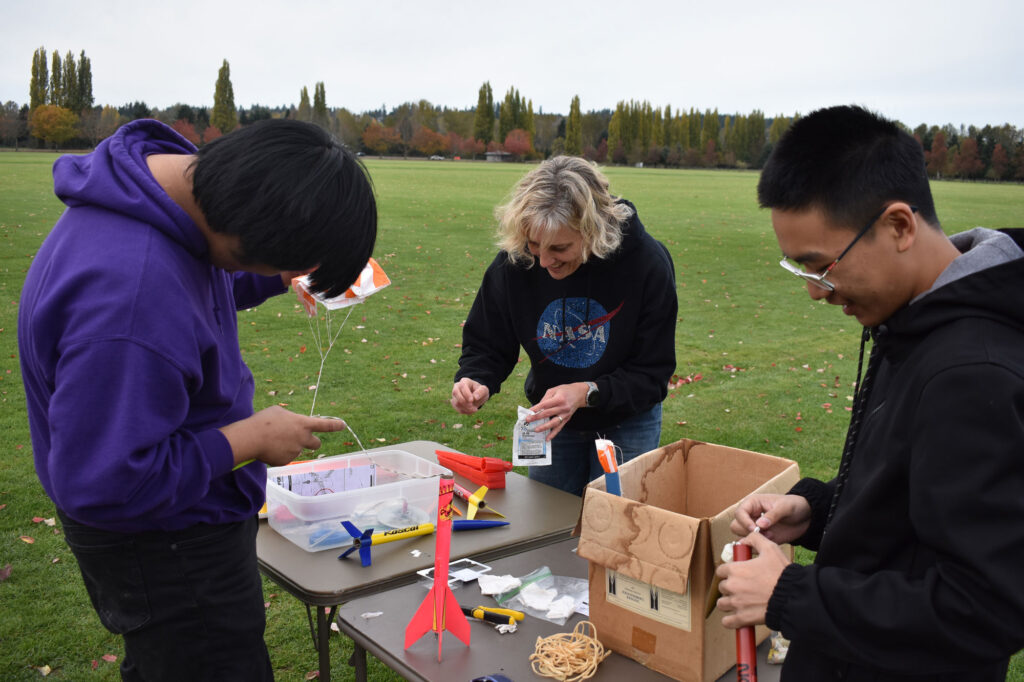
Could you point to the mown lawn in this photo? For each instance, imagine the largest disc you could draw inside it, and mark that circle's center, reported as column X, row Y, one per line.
column 759, row 365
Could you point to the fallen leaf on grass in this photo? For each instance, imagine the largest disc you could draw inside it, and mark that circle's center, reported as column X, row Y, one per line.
column 27, row 539
column 109, row 658
column 5, row 573
column 312, row 675
column 44, row 670
column 676, row 381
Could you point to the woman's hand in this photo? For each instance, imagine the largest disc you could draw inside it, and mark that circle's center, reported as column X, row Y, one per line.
column 468, row 396
column 558, row 406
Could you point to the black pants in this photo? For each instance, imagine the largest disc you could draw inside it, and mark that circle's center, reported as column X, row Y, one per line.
column 188, row 603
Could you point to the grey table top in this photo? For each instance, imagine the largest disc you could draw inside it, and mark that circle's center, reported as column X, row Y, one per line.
column 490, row 652
column 539, row 515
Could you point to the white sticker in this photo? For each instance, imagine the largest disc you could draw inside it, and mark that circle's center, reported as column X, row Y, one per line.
column 650, row 601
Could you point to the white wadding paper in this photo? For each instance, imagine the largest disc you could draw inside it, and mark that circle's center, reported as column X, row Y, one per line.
column 497, row 584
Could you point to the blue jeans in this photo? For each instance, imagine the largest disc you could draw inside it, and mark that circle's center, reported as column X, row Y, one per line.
column 574, row 461
column 188, row 603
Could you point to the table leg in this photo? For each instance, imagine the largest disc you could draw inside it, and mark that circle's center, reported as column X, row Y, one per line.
column 321, row 637
column 358, row 661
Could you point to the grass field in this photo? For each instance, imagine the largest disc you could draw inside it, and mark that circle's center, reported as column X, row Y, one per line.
column 773, row 369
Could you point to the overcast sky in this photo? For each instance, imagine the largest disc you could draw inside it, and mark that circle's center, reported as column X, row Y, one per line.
column 919, row 61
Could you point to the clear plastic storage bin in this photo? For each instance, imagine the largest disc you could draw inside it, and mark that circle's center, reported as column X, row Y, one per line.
column 307, row 501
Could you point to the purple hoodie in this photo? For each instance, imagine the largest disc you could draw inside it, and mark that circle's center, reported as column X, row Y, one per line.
column 129, row 350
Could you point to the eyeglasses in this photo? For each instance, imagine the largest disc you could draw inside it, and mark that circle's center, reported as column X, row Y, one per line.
column 818, row 278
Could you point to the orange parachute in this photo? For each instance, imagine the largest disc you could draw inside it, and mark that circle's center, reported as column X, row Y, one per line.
column 371, row 280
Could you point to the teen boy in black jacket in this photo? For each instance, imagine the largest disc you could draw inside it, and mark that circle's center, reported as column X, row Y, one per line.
column 919, row 538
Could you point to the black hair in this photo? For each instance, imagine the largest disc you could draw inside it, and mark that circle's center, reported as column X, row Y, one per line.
column 848, row 162
column 294, row 196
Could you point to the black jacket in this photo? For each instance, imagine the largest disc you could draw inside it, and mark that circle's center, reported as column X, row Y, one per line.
column 920, row 573
column 621, row 314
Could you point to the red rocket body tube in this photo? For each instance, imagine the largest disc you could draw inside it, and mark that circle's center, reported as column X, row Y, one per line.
column 746, row 641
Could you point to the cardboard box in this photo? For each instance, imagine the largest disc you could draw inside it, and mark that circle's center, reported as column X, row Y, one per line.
column 653, row 553
column 381, row 489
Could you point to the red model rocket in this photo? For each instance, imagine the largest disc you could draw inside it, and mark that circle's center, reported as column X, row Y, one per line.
column 439, row 610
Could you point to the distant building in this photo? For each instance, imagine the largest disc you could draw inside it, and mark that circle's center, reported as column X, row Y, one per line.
column 497, row 156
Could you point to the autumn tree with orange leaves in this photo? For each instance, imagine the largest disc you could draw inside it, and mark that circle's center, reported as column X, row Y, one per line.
column 518, row 143
column 427, row 142
column 380, row 138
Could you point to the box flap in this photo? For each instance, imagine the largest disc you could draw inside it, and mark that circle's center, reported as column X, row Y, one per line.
column 616, row 532
column 659, row 477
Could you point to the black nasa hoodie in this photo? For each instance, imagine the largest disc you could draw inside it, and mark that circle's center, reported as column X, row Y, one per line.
column 612, row 321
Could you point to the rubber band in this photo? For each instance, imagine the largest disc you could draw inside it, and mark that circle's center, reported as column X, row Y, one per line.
column 569, row 656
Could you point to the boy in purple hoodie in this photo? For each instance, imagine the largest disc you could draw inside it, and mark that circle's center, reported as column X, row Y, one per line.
column 139, row 402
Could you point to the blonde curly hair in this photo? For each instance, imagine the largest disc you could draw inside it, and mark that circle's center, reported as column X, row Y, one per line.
column 565, row 191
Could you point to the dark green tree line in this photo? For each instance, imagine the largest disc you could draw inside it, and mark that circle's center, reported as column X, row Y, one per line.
column 634, row 132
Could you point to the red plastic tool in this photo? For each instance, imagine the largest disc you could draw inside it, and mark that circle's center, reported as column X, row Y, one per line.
column 488, row 471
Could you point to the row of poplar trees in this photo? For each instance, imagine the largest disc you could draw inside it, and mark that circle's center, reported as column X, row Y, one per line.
column 66, row 83
column 638, row 132
column 515, row 113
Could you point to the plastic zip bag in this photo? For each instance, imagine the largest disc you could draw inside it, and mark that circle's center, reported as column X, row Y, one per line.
column 546, row 596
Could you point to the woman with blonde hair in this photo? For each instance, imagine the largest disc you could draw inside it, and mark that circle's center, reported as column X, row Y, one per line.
column 596, row 318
